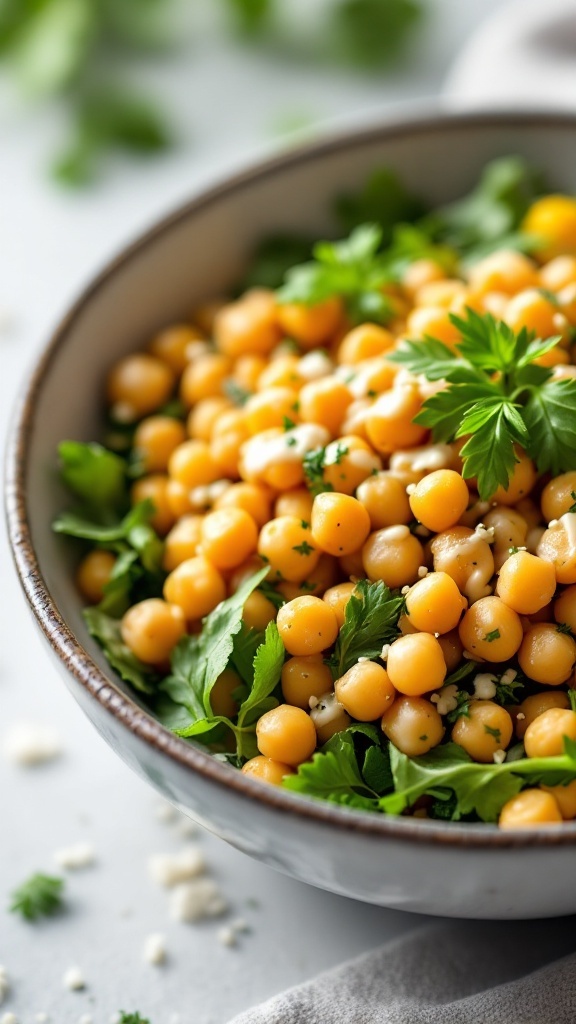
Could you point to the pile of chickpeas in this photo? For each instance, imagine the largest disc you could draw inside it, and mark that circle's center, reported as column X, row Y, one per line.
column 484, row 581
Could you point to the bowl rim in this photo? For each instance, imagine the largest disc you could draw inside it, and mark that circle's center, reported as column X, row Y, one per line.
column 101, row 687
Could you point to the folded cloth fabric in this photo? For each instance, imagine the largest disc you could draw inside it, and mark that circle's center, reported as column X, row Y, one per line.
column 473, row 972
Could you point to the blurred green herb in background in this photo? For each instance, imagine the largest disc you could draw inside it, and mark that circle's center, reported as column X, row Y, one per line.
column 77, row 53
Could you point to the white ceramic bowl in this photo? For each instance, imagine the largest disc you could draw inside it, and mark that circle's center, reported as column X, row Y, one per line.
column 432, row 867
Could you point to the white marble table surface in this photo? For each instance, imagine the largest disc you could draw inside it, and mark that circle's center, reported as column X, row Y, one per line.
column 225, row 101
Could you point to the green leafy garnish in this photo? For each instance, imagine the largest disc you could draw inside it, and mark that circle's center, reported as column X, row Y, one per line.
column 353, row 269
column 313, row 466
column 132, row 1018
column 494, row 634
column 95, row 475
column 497, row 397
column 39, row 896
column 304, row 548
column 333, row 774
column 371, row 621
column 383, row 200
column 106, row 631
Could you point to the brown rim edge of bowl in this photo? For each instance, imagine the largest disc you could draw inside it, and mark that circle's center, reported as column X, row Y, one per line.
column 62, row 640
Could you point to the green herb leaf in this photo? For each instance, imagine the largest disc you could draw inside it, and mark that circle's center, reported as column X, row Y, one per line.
column 132, row 1018
column 106, row 631
column 333, row 775
column 550, row 419
column 371, row 621
column 376, row 770
column 74, row 525
column 39, row 896
column 95, row 475
column 272, row 260
column 313, row 466
column 268, row 664
column 383, row 201
column 371, row 33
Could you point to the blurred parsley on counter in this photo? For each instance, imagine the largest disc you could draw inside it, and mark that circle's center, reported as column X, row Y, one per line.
column 75, row 52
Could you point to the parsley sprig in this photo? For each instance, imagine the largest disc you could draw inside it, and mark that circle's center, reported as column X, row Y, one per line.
column 371, row 620
column 497, row 397
column 39, row 896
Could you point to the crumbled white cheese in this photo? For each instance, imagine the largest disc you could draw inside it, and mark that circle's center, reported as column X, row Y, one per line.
column 405, row 590
column 513, row 551
column 436, row 635
column 485, row 686
column 227, row 937
column 31, row 744
column 552, row 524
column 165, row 812
column 206, row 494
column 315, row 365
column 312, row 702
column 86, row 1018
column 520, row 716
column 486, row 533
column 123, row 412
column 73, row 979
column 240, row 925
column 385, row 652
column 446, row 699
column 471, row 657
column 4, row 984
column 9, row 1018
column 186, row 828
column 422, row 571
column 155, row 949
column 197, row 900
column 79, row 855
column 391, row 534
column 327, row 710
column 410, row 488
column 41, row 1018
column 172, row 868
column 508, row 676
column 499, row 756
column 362, row 659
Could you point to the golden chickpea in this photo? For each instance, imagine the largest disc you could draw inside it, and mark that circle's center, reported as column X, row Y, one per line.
column 310, row 325
column 182, row 541
column 558, row 496
column 558, row 273
column 307, row 625
column 270, row 409
column 439, row 499
column 337, row 598
column 544, row 737
column 248, row 326
column 432, row 321
column 286, row 734
column 413, row 725
column 385, row 500
column 305, row 677
column 94, row 573
column 192, row 465
column 416, row 664
column 152, row 628
column 364, row 342
column 258, row 611
column 297, row 502
column 255, row 499
column 247, row 371
column 448, row 294
column 340, row 523
column 534, row 311
column 154, row 488
column 352, row 566
column 222, row 699
column 557, row 546
column 229, row 536
column 171, row 345
column 536, row 704
column 526, row 583
column 288, row 548
column 419, row 273
column 452, row 649
column 204, row 416
column 521, row 482
column 266, row 770
column 503, row 271
column 565, row 608
column 434, row 604
column 280, row 372
column 281, row 474
column 546, row 655
column 467, row 558
column 491, row 630
column 225, row 451
column 485, row 730
column 196, row 587
column 393, row 555
column 348, row 461
column 138, row 385
column 389, row 424
column 531, row 807
column 553, row 218
column 324, row 401
column 204, row 377
column 365, row 691
column 510, row 531
column 155, row 439
column 565, row 797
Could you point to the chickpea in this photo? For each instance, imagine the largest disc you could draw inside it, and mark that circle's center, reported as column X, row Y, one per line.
column 413, row 725
column 304, row 677
column 434, row 604
column 340, row 523
column 337, row 598
column 558, row 273
column 196, row 587
column 204, row 377
column 467, row 558
column 286, row 734
column 289, row 549
column 248, row 326
column 487, row 729
column 152, row 628
column 280, row 372
column 270, row 409
column 420, row 273
column 329, row 717
column 94, row 573
column 385, row 500
column 531, row 807
column 544, row 737
column 154, row 488
column 521, row 482
column 347, row 463
column 258, row 611
column 556, row 545
column 432, row 321
column 222, row 699
column 267, row 770
column 364, row 342
column 297, row 502
column 204, row 416
column 536, row 704
column 565, row 608
column 491, row 630
column 281, row 474
column 229, row 536
column 138, row 385
column 182, row 541
column 510, row 531
column 255, row 499
column 225, row 449
column 247, row 371
column 534, row 311
column 452, row 649
column 192, row 465
column 155, row 439
column 352, row 566
column 526, row 583
column 558, row 496
column 503, row 271
column 416, row 664
column 565, row 797
column 310, row 325
column 439, row 499
column 171, row 345
column 389, row 424
column 243, row 572
column 307, row 625
column 324, row 401
column 393, row 555
column 365, row 691
column 553, row 218
column 546, row 655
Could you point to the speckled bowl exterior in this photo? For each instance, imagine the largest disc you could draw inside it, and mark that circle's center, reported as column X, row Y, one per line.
column 431, row 867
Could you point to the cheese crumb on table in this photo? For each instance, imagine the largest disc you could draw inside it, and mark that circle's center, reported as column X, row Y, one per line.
column 197, row 900
column 85, row 1019
column 41, row 1018
column 78, row 855
column 165, row 812
column 155, row 949
column 227, row 937
column 4, row 984
column 170, row 869
column 186, row 828
column 73, row 979
column 30, row 744
column 9, row 1018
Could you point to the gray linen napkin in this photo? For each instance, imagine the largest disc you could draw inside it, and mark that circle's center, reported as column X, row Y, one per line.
column 472, row 972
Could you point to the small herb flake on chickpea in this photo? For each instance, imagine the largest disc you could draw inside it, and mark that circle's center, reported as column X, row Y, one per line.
column 331, row 534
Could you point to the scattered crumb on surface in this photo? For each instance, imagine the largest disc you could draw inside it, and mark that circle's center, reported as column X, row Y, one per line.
column 4, row 984
column 31, row 744
column 165, row 812
column 170, row 869
column 155, row 949
column 9, row 1018
column 227, row 937
column 240, row 925
column 78, row 855
column 73, row 979
column 186, row 828
column 41, row 1018
column 197, row 900
column 85, row 1019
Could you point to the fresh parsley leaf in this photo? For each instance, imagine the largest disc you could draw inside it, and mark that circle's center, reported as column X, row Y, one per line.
column 249, row 15
column 95, row 475
column 75, row 525
column 550, row 419
column 273, row 259
column 235, row 392
column 494, row 634
column 370, row 33
column 304, row 548
column 371, row 620
column 39, row 896
column 106, row 631
column 268, row 664
column 383, row 201
column 246, row 643
column 376, row 770
column 462, row 709
column 132, row 1018
column 333, row 774
column 313, row 466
